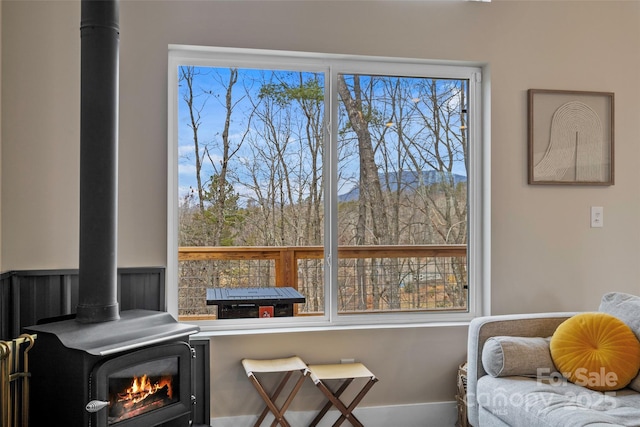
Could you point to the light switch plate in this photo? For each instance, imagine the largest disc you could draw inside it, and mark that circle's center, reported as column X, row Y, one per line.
column 597, row 216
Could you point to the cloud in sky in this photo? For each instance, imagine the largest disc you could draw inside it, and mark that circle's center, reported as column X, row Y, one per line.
column 185, row 151
column 187, row 169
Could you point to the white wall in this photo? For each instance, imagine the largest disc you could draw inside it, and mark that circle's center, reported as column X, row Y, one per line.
column 544, row 255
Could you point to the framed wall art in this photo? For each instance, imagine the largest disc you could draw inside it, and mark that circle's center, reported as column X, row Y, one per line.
column 571, row 135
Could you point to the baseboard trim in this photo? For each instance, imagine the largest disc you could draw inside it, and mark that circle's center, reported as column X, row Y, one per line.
column 440, row 414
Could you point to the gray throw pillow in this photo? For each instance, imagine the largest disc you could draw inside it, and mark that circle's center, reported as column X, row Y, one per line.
column 504, row 356
column 625, row 307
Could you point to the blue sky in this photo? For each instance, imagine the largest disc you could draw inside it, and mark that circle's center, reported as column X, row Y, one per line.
column 210, row 88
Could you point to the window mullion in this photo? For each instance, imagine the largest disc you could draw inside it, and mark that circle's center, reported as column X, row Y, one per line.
column 331, row 201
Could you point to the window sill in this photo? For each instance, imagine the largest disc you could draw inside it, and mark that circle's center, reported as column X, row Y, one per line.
column 214, row 332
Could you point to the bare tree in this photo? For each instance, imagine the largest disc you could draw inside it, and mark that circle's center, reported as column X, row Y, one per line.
column 286, row 177
column 371, row 200
column 220, row 188
column 186, row 76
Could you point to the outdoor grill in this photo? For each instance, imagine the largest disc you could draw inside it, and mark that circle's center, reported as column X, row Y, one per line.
column 235, row 303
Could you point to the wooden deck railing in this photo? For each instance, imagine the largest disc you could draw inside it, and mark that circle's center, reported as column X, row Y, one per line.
column 370, row 278
column 286, row 257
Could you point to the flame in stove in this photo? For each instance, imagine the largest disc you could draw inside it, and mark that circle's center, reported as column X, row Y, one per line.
column 142, row 387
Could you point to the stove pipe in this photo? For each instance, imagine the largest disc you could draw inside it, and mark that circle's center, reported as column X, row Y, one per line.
column 100, row 39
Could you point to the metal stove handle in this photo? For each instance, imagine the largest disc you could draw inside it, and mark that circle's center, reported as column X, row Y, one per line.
column 96, row 405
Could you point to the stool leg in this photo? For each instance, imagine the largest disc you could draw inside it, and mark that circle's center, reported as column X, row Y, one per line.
column 273, row 397
column 348, row 413
column 270, row 405
column 294, row 391
column 278, row 413
column 340, row 406
column 329, row 404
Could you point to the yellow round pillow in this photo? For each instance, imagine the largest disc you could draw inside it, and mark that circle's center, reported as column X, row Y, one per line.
column 596, row 350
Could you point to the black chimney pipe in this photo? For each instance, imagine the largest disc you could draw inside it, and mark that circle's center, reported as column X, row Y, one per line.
column 100, row 40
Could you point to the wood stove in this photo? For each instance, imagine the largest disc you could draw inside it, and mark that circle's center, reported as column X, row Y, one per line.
column 135, row 371
column 104, row 367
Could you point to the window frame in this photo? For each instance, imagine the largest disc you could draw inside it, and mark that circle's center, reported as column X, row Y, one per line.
column 478, row 246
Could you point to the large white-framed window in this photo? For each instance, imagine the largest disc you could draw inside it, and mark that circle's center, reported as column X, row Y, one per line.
column 361, row 182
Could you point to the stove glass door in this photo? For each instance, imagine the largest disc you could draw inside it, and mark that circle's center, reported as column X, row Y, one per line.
column 142, row 388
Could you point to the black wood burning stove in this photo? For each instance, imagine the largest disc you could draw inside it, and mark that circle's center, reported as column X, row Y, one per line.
column 103, row 367
column 135, row 371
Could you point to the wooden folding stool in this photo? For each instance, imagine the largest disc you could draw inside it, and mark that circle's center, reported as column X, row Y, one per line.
column 346, row 372
column 287, row 366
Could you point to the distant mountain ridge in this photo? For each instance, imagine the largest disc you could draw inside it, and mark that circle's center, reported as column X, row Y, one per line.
column 407, row 181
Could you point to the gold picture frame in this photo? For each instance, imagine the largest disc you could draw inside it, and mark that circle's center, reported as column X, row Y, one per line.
column 571, row 137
